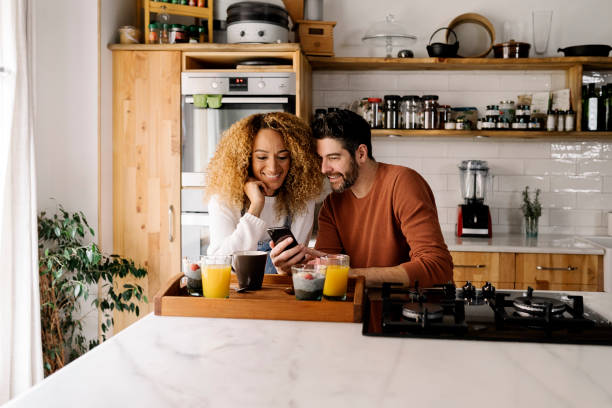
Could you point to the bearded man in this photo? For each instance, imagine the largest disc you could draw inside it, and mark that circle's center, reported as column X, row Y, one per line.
column 382, row 215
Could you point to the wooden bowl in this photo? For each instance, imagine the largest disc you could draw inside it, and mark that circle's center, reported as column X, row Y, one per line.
column 474, row 18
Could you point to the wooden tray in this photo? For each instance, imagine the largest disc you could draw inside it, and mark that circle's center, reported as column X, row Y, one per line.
column 271, row 302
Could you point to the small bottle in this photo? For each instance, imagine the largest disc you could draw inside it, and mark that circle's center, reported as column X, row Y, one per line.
column 592, row 109
column 377, row 120
column 570, row 121
column 460, row 124
column 534, row 124
column 560, row 121
column 154, row 33
column 551, row 121
column 479, row 124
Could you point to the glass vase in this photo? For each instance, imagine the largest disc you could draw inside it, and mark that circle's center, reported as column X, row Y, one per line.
column 531, row 227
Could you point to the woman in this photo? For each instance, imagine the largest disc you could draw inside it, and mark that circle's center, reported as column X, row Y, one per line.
column 265, row 173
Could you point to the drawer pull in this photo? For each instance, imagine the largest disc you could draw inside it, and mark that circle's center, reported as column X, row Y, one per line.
column 546, row 268
column 479, row 266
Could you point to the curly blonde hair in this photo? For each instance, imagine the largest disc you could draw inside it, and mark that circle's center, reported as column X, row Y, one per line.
column 229, row 168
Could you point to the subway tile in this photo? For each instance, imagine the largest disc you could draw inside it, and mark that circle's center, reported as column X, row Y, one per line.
column 408, row 148
column 556, row 229
column 500, row 199
column 494, row 215
column 318, row 99
column 436, row 165
column 606, row 151
column 506, row 167
column 545, row 167
column 558, row 80
column 452, row 181
column 510, row 216
column 507, row 229
column 524, row 150
column 591, row 230
column 566, row 150
column 472, row 81
column 593, row 150
column 339, row 98
column 569, row 184
column 442, row 217
column 330, row 81
column 607, row 184
column 410, row 162
column 385, row 147
column 532, row 82
column 594, row 201
column 518, row 183
column 373, row 82
column 447, row 198
column 566, row 201
column 595, row 167
column 436, row 181
column 423, row 82
column 582, row 218
column 451, row 214
column 472, row 149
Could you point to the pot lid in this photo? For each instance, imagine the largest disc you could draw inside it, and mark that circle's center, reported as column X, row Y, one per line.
column 257, row 11
column 388, row 33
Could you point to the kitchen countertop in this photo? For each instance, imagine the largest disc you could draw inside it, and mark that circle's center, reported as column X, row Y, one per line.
column 555, row 244
column 197, row 362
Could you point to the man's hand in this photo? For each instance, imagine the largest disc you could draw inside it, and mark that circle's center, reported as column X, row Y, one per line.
column 283, row 259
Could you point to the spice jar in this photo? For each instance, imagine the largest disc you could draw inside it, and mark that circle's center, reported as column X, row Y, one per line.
column 570, row 121
column 450, row 124
column 444, row 115
column 164, row 35
column 376, row 109
column 201, row 3
column 502, row 123
column 534, row 124
column 203, row 32
column 507, row 111
column 177, row 34
column 560, row 121
column 460, row 124
column 411, row 110
column 154, row 33
column 430, row 108
column 551, row 121
column 392, row 111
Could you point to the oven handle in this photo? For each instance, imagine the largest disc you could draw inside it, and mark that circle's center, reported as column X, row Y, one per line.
column 546, row 268
column 248, row 99
column 478, row 266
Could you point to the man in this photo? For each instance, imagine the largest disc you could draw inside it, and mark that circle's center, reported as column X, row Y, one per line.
column 383, row 216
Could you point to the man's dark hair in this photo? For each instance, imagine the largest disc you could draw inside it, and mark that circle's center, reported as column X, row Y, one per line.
column 350, row 129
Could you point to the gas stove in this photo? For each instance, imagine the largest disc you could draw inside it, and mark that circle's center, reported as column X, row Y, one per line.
column 470, row 313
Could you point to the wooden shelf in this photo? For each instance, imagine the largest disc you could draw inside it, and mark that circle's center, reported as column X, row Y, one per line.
column 411, row 64
column 180, row 10
column 509, row 134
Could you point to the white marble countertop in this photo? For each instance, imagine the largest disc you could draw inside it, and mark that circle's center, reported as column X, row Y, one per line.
column 555, row 244
column 203, row 362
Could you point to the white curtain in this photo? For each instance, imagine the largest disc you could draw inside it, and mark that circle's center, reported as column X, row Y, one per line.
column 20, row 342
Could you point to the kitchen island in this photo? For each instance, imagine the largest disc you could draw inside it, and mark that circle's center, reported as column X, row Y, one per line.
column 204, row 362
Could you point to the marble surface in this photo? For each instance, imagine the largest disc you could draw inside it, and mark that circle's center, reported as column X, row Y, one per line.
column 202, row 362
column 555, row 244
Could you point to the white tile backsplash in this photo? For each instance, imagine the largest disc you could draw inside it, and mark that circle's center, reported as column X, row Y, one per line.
column 575, row 176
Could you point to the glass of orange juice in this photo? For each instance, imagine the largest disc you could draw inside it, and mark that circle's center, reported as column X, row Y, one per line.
column 336, row 277
column 216, row 272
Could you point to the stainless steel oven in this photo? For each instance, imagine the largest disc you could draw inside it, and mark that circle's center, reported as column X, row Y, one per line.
column 241, row 94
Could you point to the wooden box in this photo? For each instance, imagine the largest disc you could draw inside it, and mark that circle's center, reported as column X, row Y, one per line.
column 271, row 302
column 316, row 37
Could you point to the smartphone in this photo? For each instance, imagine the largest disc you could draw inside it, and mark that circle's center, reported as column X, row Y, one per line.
column 277, row 234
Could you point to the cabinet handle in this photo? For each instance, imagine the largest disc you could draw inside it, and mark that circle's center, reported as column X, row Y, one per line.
column 170, row 223
column 479, row 266
column 546, row 268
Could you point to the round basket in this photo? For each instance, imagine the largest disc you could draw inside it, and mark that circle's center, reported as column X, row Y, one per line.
column 474, row 18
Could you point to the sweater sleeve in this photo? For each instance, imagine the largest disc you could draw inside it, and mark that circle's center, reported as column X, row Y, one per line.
column 415, row 208
column 328, row 239
column 229, row 232
column 301, row 225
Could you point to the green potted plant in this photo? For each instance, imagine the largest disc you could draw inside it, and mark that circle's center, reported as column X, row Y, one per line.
column 532, row 210
column 68, row 265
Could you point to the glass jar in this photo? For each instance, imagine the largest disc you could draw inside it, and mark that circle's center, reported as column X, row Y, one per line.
column 411, row 110
column 460, row 124
column 154, row 33
column 560, row 121
column 534, row 124
column 177, row 34
column 430, row 111
column 570, row 121
column 164, row 35
column 527, row 112
column 450, row 125
column 502, row 123
column 363, row 108
column 551, row 121
column 193, row 34
column 444, row 115
column 203, row 33
column 392, row 112
column 507, row 111
column 377, row 113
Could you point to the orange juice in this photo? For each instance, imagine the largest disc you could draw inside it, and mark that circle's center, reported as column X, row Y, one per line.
column 335, row 282
column 216, row 280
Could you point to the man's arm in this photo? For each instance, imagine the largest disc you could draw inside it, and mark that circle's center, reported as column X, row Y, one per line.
column 377, row 275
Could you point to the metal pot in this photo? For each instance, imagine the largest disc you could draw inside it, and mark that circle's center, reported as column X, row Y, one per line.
column 594, row 50
column 443, row 50
column 255, row 22
column 511, row 49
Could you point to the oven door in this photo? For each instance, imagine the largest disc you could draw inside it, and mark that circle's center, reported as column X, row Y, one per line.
column 203, row 128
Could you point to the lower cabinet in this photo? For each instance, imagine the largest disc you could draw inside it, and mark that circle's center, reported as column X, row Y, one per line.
column 559, row 272
column 507, row 270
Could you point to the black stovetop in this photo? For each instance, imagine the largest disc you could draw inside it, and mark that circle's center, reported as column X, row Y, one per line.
column 447, row 312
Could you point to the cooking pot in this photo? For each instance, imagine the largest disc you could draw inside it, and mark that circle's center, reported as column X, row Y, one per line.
column 443, row 50
column 255, row 22
column 511, row 49
column 594, row 50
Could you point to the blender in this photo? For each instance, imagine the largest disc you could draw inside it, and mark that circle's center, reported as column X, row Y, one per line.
column 473, row 217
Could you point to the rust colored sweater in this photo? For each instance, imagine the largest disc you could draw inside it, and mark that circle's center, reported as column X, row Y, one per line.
column 396, row 223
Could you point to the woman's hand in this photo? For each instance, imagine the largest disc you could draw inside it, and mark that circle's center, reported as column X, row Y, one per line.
column 254, row 189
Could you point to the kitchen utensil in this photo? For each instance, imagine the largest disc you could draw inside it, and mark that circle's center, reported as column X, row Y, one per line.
column 472, row 18
column 255, row 22
column 443, row 50
column 541, row 20
column 474, row 217
column 592, row 50
column 511, row 49
column 388, row 33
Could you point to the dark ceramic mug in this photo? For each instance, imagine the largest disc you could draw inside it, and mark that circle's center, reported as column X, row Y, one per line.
column 249, row 267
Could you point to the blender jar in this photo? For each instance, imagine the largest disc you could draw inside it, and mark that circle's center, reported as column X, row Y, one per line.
column 473, row 176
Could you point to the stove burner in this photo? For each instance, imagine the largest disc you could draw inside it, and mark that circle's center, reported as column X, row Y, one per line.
column 417, row 311
column 536, row 306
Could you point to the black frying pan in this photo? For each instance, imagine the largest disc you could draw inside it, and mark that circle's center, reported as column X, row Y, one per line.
column 596, row 50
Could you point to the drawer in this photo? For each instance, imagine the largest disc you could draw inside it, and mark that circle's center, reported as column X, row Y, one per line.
column 482, row 267
column 559, row 271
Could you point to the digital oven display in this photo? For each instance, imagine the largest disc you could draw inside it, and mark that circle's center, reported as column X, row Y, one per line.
column 239, row 84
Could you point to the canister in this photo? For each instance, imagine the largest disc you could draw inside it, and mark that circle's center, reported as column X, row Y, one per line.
column 376, row 108
column 392, row 111
column 430, row 111
column 507, row 111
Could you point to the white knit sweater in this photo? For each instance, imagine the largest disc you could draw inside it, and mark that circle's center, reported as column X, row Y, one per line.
column 230, row 232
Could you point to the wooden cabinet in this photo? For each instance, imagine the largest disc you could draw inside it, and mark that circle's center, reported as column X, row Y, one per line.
column 146, row 166
column 507, row 270
column 480, row 267
column 559, row 272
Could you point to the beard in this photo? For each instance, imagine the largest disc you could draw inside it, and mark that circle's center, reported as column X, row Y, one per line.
column 349, row 178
